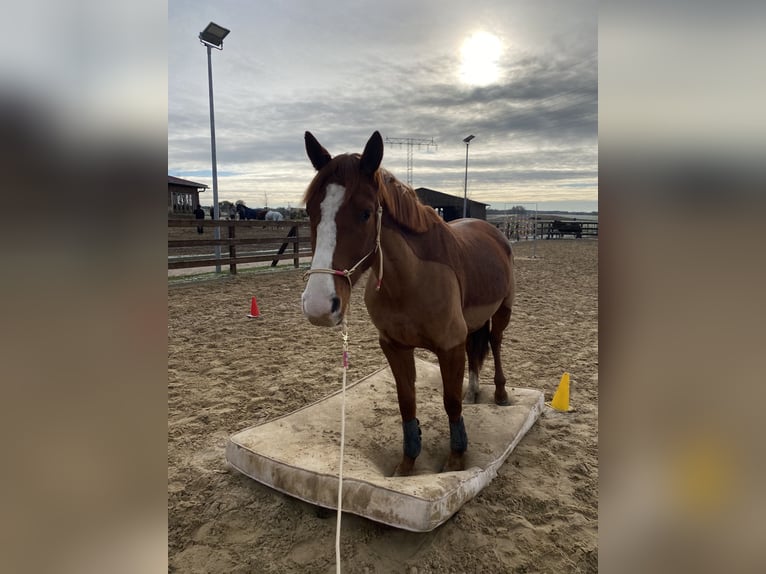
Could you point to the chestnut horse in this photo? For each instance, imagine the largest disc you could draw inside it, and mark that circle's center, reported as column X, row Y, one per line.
column 447, row 288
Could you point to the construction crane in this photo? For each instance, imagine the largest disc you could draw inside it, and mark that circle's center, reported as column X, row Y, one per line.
column 411, row 143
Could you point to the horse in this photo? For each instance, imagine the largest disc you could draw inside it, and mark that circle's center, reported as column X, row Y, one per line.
column 245, row 212
column 272, row 215
column 448, row 288
column 561, row 228
column 227, row 210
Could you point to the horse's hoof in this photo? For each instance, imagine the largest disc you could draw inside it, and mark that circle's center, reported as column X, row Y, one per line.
column 404, row 468
column 455, row 462
column 502, row 399
column 470, row 398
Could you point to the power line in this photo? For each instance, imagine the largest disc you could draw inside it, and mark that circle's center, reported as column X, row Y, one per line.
column 411, row 143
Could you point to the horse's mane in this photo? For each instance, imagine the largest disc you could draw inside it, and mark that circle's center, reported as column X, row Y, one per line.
column 399, row 200
column 403, row 205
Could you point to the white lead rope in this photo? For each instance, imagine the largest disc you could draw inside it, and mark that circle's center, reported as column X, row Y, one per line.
column 344, row 334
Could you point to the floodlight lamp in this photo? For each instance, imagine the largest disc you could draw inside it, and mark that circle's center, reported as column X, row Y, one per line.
column 213, row 35
column 469, row 138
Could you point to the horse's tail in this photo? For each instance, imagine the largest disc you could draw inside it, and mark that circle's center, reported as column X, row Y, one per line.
column 477, row 347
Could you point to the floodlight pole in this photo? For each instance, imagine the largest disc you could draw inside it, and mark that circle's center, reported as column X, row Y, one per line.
column 216, row 214
column 467, row 141
column 212, row 37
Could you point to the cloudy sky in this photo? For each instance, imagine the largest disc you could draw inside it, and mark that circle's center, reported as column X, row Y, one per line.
column 519, row 75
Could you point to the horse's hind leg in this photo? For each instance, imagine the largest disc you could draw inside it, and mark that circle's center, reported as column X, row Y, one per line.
column 476, row 347
column 500, row 321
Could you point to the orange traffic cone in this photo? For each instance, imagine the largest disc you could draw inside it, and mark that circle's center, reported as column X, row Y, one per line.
column 560, row 401
column 254, row 313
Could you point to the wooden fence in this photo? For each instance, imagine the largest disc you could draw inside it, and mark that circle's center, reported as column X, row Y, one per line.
column 269, row 234
column 589, row 228
column 296, row 243
column 525, row 228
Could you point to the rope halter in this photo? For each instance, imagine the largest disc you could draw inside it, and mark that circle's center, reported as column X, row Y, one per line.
column 347, row 273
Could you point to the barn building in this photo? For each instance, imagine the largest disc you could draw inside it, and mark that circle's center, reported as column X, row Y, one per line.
column 183, row 195
column 451, row 206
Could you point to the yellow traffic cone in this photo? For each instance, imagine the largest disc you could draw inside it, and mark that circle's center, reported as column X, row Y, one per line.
column 560, row 401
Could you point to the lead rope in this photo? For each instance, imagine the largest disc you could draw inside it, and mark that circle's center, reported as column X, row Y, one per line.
column 379, row 248
column 344, row 334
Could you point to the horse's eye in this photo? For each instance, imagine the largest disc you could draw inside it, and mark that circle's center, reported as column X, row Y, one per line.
column 365, row 215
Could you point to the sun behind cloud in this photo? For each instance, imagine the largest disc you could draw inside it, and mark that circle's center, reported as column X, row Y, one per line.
column 480, row 59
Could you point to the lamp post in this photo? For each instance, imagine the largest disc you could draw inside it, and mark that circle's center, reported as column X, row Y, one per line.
column 212, row 37
column 467, row 141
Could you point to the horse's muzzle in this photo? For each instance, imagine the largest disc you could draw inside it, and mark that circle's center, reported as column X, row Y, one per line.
column 322, row 311
column 325, row 321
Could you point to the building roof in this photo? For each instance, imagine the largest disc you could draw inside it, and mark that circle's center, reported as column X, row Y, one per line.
column 443, row 198
column 185, row 182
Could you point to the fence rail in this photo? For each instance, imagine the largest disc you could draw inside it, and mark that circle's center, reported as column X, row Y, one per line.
column 272, row 235
column 527, row 227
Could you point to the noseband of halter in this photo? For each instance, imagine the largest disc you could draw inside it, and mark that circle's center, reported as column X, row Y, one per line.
column 348, row 272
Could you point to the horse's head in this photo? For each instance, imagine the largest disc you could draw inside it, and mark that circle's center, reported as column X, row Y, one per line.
column 342, row 203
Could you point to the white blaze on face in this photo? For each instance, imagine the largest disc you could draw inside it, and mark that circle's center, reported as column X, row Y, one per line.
column 320, row 290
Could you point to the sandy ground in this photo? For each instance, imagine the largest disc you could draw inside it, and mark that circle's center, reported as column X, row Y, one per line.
column 227, row 372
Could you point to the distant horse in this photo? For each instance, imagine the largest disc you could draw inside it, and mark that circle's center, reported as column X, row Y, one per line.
column 245, row 212
column 561, row 228
column 447, row 287
column 272, row 215
column 227, row 210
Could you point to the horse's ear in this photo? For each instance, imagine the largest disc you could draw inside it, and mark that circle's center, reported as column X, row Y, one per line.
column 317, row 154
column 372, row 155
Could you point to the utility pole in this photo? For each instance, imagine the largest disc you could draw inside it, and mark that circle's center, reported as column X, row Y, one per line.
column 411, row 143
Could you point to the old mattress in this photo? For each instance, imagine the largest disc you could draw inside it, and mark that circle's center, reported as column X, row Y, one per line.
column 298, row 454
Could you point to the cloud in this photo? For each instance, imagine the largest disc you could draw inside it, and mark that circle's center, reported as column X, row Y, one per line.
column 343, row 72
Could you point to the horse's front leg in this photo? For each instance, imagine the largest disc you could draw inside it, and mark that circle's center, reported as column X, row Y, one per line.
column 401, row 359
column 452, row 367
